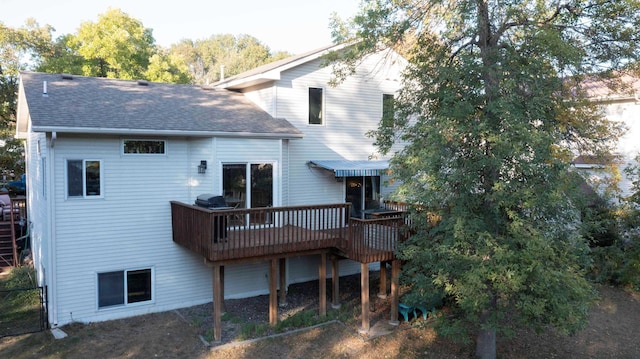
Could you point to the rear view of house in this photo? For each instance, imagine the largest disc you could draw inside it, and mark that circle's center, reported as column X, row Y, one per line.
column 109, row 162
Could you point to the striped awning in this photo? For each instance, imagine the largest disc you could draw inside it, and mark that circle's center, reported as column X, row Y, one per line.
column 346, row 168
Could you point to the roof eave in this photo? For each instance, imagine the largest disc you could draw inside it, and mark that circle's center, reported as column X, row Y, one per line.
column 22, row 113
column 616, row 99
column 250, row 81
column 173, row 133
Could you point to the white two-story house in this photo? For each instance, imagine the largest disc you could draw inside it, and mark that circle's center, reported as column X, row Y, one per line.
column 109, row 162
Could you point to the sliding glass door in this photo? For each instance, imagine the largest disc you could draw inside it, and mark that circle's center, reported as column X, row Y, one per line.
column 248, row 185
column 364, row 194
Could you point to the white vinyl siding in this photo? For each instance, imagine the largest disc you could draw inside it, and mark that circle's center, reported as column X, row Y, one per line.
column 130, row 225
column 350, row 110
column 37, row 157
column 628, row 147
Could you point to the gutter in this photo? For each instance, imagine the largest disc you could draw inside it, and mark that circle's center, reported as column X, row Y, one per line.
column 52, row 284
column 123, row 132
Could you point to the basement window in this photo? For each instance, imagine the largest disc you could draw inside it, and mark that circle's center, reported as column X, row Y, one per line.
column 124, row 287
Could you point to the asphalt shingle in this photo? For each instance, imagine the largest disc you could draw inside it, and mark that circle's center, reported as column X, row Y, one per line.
column 99, row 103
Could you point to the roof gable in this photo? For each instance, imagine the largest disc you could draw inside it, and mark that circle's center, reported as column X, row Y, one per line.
column 272, row 71
column 100, row 105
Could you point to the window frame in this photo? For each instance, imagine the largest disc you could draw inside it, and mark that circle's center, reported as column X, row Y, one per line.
column 85, row 194
column 125, row 288
column 322, row 114
column 125, row 153
column 247, row 192
column 388, row 99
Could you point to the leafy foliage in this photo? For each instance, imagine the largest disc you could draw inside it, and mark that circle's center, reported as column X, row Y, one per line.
column 619, row 263
column 205, row 58
column 116, row 46
column 16, row 45
column 492, row 110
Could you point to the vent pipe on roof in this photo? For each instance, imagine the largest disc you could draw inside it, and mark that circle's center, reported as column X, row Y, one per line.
column 221, row 72
column 67, row 77
column 143, row 83
column 44, row 89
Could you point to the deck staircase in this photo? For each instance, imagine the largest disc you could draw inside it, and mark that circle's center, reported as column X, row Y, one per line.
column 7, row 249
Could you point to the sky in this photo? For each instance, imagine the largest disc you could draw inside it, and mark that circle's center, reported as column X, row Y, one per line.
column 295, row 26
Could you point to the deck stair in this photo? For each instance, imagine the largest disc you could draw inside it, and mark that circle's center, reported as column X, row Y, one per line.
column 7, row 249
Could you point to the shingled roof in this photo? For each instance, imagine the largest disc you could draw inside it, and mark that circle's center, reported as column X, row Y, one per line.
column 100, row 105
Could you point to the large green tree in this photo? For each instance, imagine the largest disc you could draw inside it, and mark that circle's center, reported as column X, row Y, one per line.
column 116, row 46
column 18, row 48
column 236, row 54
column 492, row 110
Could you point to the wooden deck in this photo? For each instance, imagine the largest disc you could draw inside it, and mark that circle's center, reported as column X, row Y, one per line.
column 262, row 233
column 272, row 234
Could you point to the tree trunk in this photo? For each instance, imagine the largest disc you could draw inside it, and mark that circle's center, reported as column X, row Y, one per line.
column 486, row 340
column 486, row 344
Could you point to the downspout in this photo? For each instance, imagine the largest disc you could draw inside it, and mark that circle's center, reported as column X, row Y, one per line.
column 53, row 297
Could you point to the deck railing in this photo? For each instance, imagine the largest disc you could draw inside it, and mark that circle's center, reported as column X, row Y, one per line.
column 374, row 240
column 234, row 234
column 227, row 234
column 230, row 234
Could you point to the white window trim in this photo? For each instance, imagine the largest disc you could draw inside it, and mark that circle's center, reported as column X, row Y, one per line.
column 126, row 305
column 323, row 118
column 84, row 182
column 275, row 200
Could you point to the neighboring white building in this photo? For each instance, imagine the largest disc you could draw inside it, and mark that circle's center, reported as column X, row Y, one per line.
column 105, row 157
column 622, row 106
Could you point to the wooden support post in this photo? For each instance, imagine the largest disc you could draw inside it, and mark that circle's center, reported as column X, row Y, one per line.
column 364, row 289
column 273, row 292
column 335, row 283
column 217, row 307
column 283, row 282
column 382, row 292
column 223, row 308
column 395, row 286
column 322, row 278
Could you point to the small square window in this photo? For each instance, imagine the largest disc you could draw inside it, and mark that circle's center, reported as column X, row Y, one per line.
column 84, row 178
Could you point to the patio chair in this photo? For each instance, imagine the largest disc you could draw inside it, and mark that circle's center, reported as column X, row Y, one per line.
column 405, row 310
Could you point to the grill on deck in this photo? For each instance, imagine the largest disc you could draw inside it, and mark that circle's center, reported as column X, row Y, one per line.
column 211, row 201
column 216, row 203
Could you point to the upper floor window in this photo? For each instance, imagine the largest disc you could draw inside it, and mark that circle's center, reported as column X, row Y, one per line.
column 387, row 109
column 84, row 178
column 315, row 106
column 144, row 147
